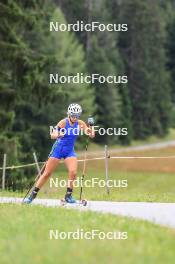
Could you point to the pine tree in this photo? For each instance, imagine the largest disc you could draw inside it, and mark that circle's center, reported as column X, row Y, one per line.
column 97, row 46
column 106, row 95
column 144, row 55
column 70, row 60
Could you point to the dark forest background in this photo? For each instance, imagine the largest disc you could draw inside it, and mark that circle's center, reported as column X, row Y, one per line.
column 29, row 52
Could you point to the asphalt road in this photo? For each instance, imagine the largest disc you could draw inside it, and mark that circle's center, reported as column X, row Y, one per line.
column 158, row 213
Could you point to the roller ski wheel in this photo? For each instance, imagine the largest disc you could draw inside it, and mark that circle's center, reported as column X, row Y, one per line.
column 63, row 202
column 83, row 202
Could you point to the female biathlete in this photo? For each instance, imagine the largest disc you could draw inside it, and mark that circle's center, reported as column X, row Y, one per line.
column 65, row 135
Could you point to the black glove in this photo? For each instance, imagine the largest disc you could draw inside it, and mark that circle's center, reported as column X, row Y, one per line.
column 90, row 121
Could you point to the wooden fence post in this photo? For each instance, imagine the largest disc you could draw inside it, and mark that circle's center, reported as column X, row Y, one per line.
column 106, row 168
column 37, row 164
column 4, row 171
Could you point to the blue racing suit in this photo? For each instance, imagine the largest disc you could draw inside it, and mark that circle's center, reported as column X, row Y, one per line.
column 64, row 146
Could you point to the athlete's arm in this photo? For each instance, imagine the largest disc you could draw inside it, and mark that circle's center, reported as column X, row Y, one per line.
column 89, row 130
column 56, row 133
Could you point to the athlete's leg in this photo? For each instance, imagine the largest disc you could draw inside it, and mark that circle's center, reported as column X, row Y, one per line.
column 71, row 164
column 51, row 165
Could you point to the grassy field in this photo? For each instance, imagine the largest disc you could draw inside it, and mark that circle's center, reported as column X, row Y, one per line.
column 24, row 232
column 24, row 238
column 148, row 187
column 147, row 180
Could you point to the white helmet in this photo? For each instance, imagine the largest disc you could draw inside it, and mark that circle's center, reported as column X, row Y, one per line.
column 74, row 109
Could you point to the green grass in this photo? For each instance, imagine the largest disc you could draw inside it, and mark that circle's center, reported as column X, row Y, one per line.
column 24, row 230
column 148, row 180
column 24, row 238
column 155, row 139
column 142, row 187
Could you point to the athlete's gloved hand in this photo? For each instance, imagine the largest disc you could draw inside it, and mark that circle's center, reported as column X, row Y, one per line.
column 90, row 121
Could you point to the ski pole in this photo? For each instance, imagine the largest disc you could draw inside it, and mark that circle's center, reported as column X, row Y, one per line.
column 84, row 167
column 37, row 177
column 90, row 123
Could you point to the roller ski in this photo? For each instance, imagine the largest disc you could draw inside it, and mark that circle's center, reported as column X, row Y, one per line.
column 69, row 200
column 81, row 203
